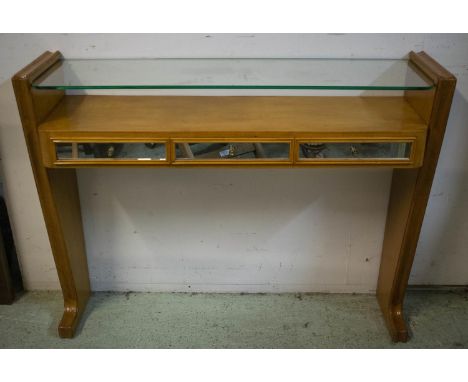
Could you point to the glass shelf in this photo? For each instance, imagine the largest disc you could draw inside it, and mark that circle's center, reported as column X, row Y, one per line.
column 235, row 73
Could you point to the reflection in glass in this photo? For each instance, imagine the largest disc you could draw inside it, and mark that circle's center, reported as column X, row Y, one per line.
column 111, row 150
column 230, row 150
column 355, row 150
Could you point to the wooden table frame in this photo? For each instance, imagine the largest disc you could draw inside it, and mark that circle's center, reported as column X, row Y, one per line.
column 423, row 117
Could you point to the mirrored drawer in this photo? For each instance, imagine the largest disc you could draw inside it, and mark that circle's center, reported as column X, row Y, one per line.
column 232, row 151
column 355, row 151
column 110, row 151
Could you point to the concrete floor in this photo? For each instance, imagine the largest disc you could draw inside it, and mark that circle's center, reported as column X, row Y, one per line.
column 176, row 320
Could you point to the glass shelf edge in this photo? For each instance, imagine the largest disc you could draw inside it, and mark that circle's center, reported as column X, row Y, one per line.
column 227, row 87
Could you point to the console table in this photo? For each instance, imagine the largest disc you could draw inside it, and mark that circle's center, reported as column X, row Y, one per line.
column 398, row 120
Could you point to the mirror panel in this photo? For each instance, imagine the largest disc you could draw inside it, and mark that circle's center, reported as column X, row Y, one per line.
column 355, row 151
column 132, row 151
column 214, row 151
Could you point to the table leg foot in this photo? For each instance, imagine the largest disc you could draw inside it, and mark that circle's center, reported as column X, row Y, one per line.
column 395, row 322
column 71, row 317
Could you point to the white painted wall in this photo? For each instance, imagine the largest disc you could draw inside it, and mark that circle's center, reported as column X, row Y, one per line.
column 252, row 230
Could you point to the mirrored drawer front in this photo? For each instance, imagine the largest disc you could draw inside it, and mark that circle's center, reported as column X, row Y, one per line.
column 358, row 151
column 109, row 151
column 222, row 151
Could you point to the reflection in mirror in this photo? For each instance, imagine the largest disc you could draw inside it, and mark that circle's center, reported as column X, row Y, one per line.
column 232, row 150
column 111, row 150
column 355, row 150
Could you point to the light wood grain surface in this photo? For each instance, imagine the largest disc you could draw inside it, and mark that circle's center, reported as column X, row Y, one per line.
column 194, row 116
